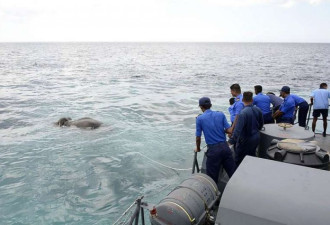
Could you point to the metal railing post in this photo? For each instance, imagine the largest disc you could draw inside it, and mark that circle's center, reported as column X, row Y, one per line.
column 309, row 114
column 195, row 164
column 136, row 213
column 142, row 216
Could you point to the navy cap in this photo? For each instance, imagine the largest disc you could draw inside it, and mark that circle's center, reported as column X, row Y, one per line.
column 285, row 89
column 205, row 101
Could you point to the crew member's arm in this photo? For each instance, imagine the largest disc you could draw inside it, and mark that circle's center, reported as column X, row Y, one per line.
column 277, row 114
column 238, row 129
column 230, row 130
column 312, row 95
column 238, row 108
column 198, row 144
column 226, row 125
column 198, row 135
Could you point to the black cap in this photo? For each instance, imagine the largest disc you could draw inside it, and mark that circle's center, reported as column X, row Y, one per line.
column 285, row 89
column 205, row 101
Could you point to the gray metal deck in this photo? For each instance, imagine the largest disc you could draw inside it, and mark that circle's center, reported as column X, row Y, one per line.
column 265, row 192
column 323, row 142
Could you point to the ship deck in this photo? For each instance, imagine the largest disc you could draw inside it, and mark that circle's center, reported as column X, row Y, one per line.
column 323, row 142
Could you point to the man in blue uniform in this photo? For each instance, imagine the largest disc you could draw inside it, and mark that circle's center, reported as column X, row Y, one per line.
column 214, row 125
column 263, row 103
column 246, row 134
column 320, row 99
column 230, row 109
column 303, row 109
column 235, row 90
column 286, row 111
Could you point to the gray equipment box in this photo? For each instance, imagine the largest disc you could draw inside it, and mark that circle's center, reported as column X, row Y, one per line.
column 265, row 192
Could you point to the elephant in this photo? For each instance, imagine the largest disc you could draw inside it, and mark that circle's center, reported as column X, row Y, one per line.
column 85, row 122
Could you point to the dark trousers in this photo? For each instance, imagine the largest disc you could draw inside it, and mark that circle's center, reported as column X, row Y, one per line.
column 302, row 114
column 268, row 118
column 246, row 146
column 217, row 155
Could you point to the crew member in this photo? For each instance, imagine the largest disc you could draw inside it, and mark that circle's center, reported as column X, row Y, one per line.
column 263, row 103
column 320, row 99
column 246, row 134
column 285, row 113
column 230, row 109
column 214, row 125
column 303, row 109
column 235, row 90
column 275, row 101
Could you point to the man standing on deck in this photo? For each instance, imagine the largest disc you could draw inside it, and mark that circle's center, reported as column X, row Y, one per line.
column 320, row 99
column 235, row 90
column 285, row 113
column 303, row 109
column 246, row 134
column 263, row 103
column 214, row 125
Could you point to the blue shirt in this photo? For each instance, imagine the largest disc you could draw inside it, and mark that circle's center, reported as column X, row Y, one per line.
column 321, row 98
column 238, row 105
column 287, row 107
column 297, row 99
column 213, row 124
column 262, row 102
column 249, row 122
column 275, row 100
column 231, row 112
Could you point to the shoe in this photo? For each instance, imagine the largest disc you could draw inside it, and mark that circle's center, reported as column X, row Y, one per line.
column 324, row 134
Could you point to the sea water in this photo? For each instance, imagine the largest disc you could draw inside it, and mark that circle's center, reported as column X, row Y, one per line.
column 145, row 94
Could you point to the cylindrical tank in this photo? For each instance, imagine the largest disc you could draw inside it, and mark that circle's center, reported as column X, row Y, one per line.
column 189, row 203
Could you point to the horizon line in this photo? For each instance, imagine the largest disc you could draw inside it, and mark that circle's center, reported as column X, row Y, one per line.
column 229, row 42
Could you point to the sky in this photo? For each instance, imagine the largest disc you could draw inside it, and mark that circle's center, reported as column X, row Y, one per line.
column 165, row 20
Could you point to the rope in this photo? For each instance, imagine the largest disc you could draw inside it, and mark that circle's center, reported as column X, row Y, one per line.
column 126, row 211
column 184, row 210
column 91, row 171
column 161, row 164
column 138, row 153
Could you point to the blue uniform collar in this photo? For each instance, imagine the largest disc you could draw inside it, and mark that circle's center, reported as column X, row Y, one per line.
column 207, row 111
column 287, row 97
column 239, row 97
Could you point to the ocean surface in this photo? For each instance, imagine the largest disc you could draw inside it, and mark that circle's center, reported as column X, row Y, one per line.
column 145, row 94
